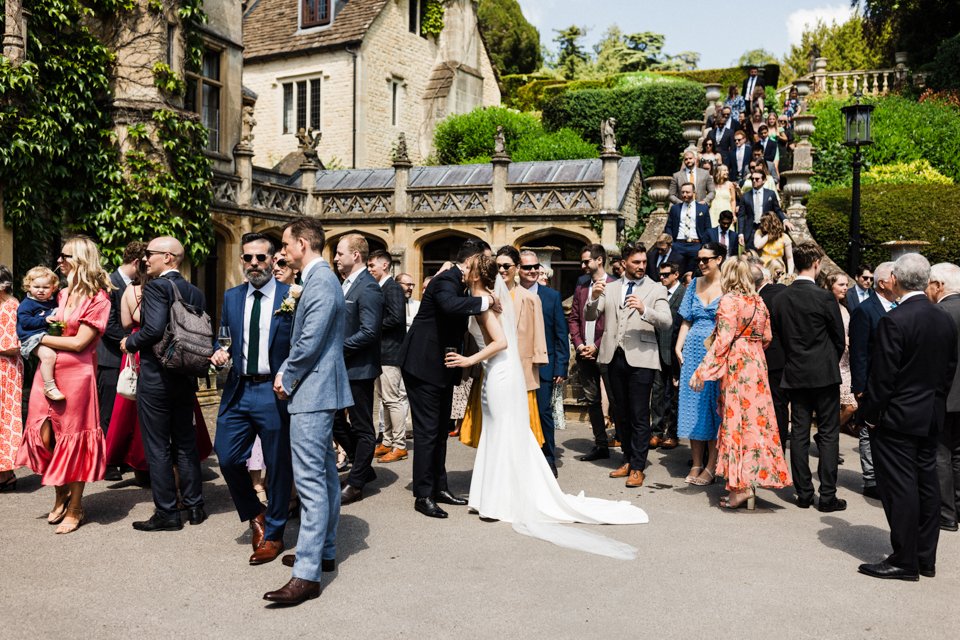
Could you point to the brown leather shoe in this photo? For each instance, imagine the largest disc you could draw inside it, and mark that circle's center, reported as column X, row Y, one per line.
column 655, row 441
column 393, row 456
column 635, row 480
column 267, row 552
column 257, row 527
column 381, row 451
column 622, row 472
column 296, row 591
column 669, row 443
column 614, row 443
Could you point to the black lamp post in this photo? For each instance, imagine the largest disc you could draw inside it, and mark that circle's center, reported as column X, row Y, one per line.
column 857, row 134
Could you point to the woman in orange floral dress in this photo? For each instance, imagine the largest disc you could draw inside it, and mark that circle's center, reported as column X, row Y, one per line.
column 749, row 453
column 11, row 383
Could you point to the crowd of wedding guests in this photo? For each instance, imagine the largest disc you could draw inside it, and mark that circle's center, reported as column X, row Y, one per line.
column 692, row 340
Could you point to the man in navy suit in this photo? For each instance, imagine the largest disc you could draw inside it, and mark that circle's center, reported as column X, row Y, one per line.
column 863, row 330
column 558, row 349
column 260, row 342
column 753, row 206
column 722, row 137
column 862, row 288
column 738, row 160
column 723, row 234
column 687, row 224
column 361, row 352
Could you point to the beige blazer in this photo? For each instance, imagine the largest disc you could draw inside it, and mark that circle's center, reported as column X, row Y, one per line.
column 627, row 329
column 531, row 337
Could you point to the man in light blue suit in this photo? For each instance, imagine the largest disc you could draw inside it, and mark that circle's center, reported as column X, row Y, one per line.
column 314, row 379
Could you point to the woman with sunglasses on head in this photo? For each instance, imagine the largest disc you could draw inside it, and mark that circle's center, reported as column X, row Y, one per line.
column 282, row 271
column 697, row 417
column 62, row 439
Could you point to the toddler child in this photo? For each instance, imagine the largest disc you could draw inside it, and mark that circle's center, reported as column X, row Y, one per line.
column 34, row 316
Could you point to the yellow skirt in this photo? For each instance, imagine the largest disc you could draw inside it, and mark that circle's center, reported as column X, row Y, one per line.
column 471, row 425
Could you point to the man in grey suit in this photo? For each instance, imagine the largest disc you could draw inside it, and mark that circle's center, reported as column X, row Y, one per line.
column 944, row 290
column 314, row 379
column 700, row 178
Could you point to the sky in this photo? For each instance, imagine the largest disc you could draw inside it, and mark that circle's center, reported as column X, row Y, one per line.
column 694, row 25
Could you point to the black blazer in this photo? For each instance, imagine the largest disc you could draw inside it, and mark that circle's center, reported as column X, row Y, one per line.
column 441, row 322
column 713, row 235
column 653, row 269
column 951, row 304
column 911, row 370
column 364, row 322
column 745, row 217
column 807, row 319
column 774, row 352
column 702, row 222
column 394, row 323
column 723, row 142
column 108, row 349
column 863, row 329
column 770, row 149
column 738, row 171
column 158, row 297
column 667, row 338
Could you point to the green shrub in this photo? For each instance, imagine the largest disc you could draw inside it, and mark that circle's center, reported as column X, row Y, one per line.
column 529, row 96
column 916, row 172
column 723, row 77
column 903, row 131
column 946, row 66
column 565, row 144
column 889, row 212
column 648, row 117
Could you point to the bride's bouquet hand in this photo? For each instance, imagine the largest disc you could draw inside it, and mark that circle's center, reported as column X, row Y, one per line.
column 455, row 360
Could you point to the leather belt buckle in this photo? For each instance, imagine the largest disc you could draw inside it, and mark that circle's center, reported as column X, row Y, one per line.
column 260, row 377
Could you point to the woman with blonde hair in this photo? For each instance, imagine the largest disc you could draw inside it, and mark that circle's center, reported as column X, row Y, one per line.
column 772, row 242
column 748, row 445
column 62, row 440
column 726, row 195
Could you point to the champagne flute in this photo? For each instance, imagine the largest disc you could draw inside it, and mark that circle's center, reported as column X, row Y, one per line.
column 223, row 337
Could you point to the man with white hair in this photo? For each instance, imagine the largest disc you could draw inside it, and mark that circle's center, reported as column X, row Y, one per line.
column 863, row 329
column 944, row 289
column 912, row 367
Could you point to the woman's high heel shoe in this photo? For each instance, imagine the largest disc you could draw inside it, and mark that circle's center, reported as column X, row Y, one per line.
column 692, row 476
column 737, row 499
column 70, row 527
column 58, row 513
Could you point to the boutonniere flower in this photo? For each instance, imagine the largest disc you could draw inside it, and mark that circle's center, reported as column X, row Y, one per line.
column 289, row 303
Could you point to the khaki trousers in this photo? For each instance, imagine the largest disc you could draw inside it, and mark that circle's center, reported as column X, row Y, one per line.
column 389, row 387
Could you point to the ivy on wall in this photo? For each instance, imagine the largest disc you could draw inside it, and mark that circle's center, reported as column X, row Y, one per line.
column 432, row 23
column 61, row 165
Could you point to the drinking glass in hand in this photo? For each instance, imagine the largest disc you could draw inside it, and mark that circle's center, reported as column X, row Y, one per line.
column 223, row 337
column 446, row 352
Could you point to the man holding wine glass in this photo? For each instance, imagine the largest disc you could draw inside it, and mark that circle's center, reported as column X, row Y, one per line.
column 259, row 314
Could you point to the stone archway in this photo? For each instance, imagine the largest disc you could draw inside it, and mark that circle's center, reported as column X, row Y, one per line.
column 438, row 248
column 564, row 259
column 373, row 242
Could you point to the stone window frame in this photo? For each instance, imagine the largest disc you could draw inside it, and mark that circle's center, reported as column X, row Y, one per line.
column 397, row 88
column 304, row 26
column 313, row 111
column 415, row 18
column 198, row 80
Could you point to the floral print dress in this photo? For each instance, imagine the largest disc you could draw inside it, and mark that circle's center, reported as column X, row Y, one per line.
column 749, row 441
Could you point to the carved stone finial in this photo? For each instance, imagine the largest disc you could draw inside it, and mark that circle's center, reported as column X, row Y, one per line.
column 309, row 139
column 248, row 122
column 500, row 145
column 608, row 135
column 400, row 154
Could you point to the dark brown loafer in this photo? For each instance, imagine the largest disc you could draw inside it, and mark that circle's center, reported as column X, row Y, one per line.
column 297, row 591
column 257, row 528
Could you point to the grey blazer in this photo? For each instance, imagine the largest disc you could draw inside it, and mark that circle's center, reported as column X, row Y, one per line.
column 706, row 189
column 626, row 328
column 951, row 304
column 314, row 374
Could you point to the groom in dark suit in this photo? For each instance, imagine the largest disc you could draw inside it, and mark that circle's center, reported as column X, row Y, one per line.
column 911, row 370
column 440, row 324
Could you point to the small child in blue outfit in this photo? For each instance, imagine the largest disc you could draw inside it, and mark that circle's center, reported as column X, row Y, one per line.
column 34, row 316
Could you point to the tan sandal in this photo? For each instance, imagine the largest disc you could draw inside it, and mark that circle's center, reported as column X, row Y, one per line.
column 692, row 476
column 701, row 482
column 70, row 527
column 58, row 514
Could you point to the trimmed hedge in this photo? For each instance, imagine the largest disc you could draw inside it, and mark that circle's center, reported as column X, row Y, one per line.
column 723, row 77
column 648, row 118
column 889, row 212
column 532, row 94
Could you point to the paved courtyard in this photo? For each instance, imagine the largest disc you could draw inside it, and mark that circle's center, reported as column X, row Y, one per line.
column 702, row 572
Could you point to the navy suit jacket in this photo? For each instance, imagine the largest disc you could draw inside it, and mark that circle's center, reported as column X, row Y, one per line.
column 555, row 331
column 364, row 323
column 279, row 342
column 713, row 235
column 702, row 222
column 737, row 172
column 863, row 328
column 745, row 218
column 853, row 300
column 108, row 349
column 724, row 143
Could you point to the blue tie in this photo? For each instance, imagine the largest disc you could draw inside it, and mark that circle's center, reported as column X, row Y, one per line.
column 893, row 305
column 629, row 291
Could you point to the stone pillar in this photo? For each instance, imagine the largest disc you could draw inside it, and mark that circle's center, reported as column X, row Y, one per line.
column 243, row 157
column 820, row 75
column 803, row 127
column 499, row 198
column 658, row 188
column 6, row 239
column 308, row 182
column 611, row 166
column 401, row 181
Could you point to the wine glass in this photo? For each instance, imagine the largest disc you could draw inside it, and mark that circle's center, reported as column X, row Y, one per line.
column 223, row 337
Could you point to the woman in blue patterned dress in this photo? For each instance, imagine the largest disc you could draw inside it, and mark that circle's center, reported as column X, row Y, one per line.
column 697, row 417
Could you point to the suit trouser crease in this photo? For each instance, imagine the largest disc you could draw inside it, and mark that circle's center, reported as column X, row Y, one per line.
column 824, row 402
column 545, row 409
column 357, row 435
column 318, row 484
column 430, row 406
column 781, row 407
column 590, row 379
column 106, row 393
column 663, row 407
column 948, row 467
column 629, row 392
column 394, row 397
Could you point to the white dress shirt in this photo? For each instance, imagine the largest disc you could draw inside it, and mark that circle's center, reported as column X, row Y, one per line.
column 887, row 304
column 411, row 307
column 348, row 281
column 757, row 205
column 269, row 291
column 309, row 267
column 533, row 288
column 590, row 326
column 688, row 225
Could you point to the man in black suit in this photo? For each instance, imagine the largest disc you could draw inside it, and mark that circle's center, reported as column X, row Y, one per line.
column 753, row 206
column 108, row 349
column 863, row 330
column 739, row 158
column 687, row 224
column 722, row 137
column 807, row 319
column 165, row 399
column 911, row 370
column 389, row 386
column 722, row 233
column 440, row 324
column 944, row 289
column 361, row 353
column 660, row 254
column 663, row 398
column 752, row 81
column 768, row 292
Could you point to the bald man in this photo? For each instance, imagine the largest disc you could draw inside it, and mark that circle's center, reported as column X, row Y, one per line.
column 165, row 399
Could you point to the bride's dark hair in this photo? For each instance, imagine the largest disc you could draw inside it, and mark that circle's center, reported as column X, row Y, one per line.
column 486, row 267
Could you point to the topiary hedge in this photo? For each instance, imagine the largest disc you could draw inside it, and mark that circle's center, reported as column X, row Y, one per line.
column 724, row 77
column 889, row 212
column 648, row 117
column 531, row 92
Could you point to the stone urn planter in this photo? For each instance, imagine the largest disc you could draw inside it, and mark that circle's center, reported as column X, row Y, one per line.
column 803, row 88
column 658, row 187
column 797, row 187
column 803, row 127
column 713, row 92
column 691, row 131
column 900, row 57
column 899, row 248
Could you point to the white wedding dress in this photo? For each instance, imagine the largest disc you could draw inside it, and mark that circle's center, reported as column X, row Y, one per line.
column 512, row 481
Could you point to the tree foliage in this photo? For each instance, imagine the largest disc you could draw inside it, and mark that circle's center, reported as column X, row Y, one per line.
column 843, row 45
column 756, row 58
column 513, row 43
column 914, row 26
column 571, row 57
column 618, row 52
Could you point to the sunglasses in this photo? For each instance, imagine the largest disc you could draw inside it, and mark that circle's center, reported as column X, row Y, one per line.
column 505, row 266
column 705, row 260
column 64, row 256
column 867, row 278
column 530, row 267
column 281, row 263
column 149, row 253
column 248, row 257
column 666, row 274
column 757, row 178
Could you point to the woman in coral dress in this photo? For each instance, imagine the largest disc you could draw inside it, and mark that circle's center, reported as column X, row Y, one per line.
column 749, row 452
column 11, row 383
column 63, row 441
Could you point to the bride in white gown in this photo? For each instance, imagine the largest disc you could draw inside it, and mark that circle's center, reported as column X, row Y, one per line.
column 512, row 481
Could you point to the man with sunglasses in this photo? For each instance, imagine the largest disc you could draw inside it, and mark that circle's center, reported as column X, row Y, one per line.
column 248, row 406
column 862, row 288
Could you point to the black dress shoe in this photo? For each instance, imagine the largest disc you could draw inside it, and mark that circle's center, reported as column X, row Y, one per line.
column 837, row 504
column 350, row 494
column 887, row 571
column 113, row 474
column 804, row 503
column 445, row 497
column 871, row 492
column 429, row 508
column 197, row 515
column 141, row 478
column 928, row 572
column 160, row 522
column 598, row 453
column 948, row 525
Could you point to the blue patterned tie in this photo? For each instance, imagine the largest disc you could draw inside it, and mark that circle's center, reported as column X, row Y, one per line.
column 629, row 292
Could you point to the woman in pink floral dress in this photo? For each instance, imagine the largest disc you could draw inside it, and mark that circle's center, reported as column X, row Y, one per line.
column 749, row 453
column 11, row 382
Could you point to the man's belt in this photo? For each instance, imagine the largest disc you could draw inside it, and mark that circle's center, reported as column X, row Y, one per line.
column 689, row 240
column 260, row 377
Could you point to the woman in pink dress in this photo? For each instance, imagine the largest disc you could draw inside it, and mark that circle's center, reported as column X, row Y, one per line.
column 748, row 446
column 62, row 440
column 11, row 383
